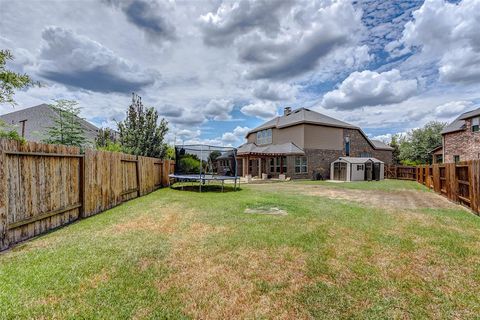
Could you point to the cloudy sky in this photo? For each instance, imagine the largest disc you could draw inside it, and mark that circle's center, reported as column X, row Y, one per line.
column 216, row 68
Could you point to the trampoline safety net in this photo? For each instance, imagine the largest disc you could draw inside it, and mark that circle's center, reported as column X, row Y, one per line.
column 205, row 163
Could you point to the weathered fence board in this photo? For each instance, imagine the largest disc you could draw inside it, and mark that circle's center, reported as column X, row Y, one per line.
column 400, row 172
column 459, row 182
column 43, row 187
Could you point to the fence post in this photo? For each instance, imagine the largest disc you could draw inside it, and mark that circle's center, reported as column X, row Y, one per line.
column 3, row 198
column 81, row 213
column 139, row 186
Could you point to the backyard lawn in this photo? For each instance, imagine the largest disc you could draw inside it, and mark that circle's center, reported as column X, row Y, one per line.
column 389, row 249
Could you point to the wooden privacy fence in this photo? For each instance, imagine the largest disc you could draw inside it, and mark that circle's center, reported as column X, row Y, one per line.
column 46, row 186
column 459, row 182
column 400, row 172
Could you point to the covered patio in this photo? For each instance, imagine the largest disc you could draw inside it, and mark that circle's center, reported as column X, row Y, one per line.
column 269, row 161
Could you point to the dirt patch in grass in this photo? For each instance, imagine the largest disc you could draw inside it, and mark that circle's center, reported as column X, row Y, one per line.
column 268, row 211
column 165, row 223
column 395, row 199
column 244, row 283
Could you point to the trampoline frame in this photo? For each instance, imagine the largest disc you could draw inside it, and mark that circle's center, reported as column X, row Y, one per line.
column 204, row 177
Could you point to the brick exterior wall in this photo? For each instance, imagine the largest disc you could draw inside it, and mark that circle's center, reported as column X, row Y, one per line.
column 465, row 144
column 319, row 160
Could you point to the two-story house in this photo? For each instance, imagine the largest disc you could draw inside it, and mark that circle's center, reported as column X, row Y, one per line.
column 461, row 138
column 303, row 143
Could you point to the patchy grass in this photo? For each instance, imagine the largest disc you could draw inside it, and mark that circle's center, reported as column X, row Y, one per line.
column 386, row 185
column 180, row 254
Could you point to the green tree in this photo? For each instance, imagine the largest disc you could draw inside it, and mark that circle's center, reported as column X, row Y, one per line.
column 140, row 133
column 170, row 153
column 395, row 144
column 416, row 147
column 67, row 129
column 9, row 80
column 9, row 132
column 106, row 140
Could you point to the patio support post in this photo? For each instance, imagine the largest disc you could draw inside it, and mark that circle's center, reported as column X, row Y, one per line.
column 244, row 167
column 260, row 168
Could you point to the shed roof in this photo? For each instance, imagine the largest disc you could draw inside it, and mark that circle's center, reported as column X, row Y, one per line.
column 358, row 159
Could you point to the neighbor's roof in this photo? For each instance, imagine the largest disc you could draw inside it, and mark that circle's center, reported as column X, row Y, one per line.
column 39, row 119
column 288, row 148
column 459, row 123
column 381, row 145
column 358, row 160
column 303, row 115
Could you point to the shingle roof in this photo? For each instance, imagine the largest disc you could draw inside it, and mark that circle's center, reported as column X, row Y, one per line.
column 39, row 119
column 303, row 115
column 459, row 123
column 380, row 145
column 288, row 148
column 358, row 160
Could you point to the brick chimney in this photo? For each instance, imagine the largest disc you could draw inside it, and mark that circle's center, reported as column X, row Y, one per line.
column 287, row 111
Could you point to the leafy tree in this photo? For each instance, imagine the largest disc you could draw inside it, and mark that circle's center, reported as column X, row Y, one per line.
column 170, row 153
column 140, row 133
column 417, row 145
column 106, row 140
column 67, row 129
column 9, row 80
column 395, row 144
column 9, row 132
column 189, row 163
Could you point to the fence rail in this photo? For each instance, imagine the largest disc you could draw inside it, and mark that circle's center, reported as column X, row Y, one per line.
column 43, row 186
column 459, row 182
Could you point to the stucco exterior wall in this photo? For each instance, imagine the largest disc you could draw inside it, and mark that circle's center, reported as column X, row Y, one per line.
column 318, row 137
column 465, row 144
column 293, row 134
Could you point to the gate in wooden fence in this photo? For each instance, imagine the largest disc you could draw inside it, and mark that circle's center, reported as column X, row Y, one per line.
column 400, row 172
column 45, row 186
column 459, row 182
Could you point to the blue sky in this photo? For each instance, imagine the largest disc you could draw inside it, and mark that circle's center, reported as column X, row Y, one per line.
column 216, row 69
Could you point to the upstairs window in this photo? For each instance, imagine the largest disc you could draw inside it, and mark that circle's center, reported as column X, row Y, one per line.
column 456, row 159
column 264, row 136
column 476, row 124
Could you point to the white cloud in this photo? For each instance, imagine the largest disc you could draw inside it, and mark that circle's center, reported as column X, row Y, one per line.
column 262, row 110
column 274, row 91
column 75, row 60
column 219, row 109
column 453, row 108
column 447, row 34
column 370, row 88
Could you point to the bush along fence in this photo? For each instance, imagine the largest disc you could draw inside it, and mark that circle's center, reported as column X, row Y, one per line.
column 43, row 186
column 459, row 182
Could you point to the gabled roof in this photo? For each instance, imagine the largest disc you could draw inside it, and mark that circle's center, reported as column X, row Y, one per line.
column 459, row 123
column 358, row 160
column 307, row 116
column 303, row 115
column 39, row 119
column 288, row 148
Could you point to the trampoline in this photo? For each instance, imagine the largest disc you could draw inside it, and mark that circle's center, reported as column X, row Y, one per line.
column 206, row 165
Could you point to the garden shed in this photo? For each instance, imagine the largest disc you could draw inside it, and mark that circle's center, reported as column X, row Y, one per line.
column 357, row 169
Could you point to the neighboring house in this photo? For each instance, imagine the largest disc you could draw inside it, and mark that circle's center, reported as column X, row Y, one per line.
column 437, row 155
column 33, row 123
column 303, row 143
column 461, row 138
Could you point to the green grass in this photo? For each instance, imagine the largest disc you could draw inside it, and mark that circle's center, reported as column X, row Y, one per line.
column 183, row 254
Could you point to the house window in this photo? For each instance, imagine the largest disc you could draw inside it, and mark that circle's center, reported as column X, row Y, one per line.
column 347, row 148
column 278, row 165
column 359, row 167
column 456, row 159
column 365, row 155
column 301, row 165
column 476, row 124
column 264, row 136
